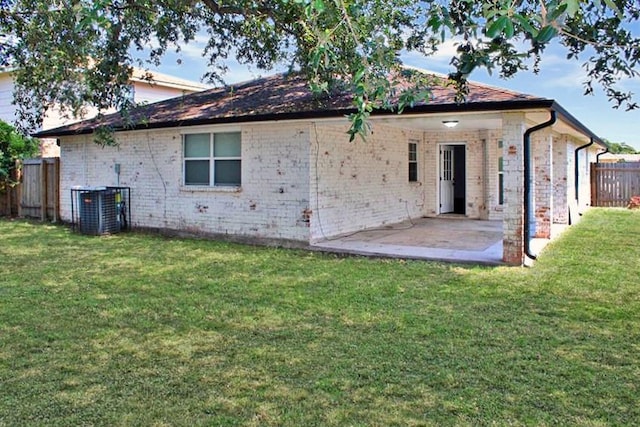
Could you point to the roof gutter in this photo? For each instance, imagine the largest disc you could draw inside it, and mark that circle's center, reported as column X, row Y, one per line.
column 527, row 180
column 577, row 125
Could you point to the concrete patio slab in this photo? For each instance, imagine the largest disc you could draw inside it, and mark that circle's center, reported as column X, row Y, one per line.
column 450, row 239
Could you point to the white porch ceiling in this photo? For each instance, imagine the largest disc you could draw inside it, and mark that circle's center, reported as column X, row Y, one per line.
column 473, row 122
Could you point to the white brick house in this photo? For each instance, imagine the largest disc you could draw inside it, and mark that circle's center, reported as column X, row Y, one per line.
column 267, row 162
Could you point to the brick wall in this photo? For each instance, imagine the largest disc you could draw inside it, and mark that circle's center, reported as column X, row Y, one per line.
column 304, row 181
column 481, row 153
column 271, row 204
column 562, row 166
column 542, row 183
column 552, row 184
column 564, row 194
column 492, row 208
column 513, row 127
column 586, row 157
column 362, row 184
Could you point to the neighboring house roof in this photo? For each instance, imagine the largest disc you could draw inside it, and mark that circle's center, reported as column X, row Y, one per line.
column 156, row 78
column 287, row 96
column 165, row 80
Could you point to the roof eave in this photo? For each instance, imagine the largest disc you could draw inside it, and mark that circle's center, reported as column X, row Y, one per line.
column 170, row 84
column 576, row 124
column 316, row 114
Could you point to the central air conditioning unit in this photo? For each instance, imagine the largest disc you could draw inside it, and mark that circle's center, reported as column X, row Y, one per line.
column 100, row 210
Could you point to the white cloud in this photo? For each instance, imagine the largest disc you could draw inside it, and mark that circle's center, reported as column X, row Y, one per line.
column 438, row 62
column 195, row 48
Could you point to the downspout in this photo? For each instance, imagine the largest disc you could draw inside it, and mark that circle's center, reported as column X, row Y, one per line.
column 576, row 182
column 600, row 154
column 527, row 182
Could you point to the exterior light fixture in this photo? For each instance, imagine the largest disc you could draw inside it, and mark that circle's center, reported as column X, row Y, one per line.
column 450, row 123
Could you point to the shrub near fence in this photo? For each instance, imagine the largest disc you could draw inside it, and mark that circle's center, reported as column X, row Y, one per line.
column 10, row 196
column 614, row 184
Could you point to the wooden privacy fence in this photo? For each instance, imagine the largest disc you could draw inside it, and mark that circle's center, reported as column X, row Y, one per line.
column 40, row 189
column 38, row 194
column 613, row 184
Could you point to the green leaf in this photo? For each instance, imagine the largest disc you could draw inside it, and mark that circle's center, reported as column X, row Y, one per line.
column 490, row 14
column 546, row 34
column 573, row 6
column 508, row 29
column 555, row 13
column 526, row 25
column 434, row 22
column 614, row 7
column 497, row 26
column 467, row 66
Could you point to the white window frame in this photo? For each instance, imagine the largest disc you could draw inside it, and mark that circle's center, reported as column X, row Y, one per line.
column 416, row 144
column 211, row 159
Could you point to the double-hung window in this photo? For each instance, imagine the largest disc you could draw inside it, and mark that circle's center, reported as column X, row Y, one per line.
column 212, row 159
column 413, row 162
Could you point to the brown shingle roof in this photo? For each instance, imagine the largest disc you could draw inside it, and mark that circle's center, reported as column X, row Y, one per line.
column 284, row 96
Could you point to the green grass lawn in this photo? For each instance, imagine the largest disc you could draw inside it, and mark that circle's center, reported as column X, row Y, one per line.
column 136, row 329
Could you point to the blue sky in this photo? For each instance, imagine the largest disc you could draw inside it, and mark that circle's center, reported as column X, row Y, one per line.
column 559, row 79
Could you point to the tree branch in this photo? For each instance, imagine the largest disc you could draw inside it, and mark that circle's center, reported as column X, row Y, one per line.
column 589, row 42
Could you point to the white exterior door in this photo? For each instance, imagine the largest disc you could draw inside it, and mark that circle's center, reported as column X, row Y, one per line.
column 446, row 179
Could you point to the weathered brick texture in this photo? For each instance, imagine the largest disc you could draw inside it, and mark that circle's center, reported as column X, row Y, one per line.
column 271, row 203
column 513, row 128
column 304, row 181
column 301, row 181
column 362, row 184
column 542, row 183
column 562, row 166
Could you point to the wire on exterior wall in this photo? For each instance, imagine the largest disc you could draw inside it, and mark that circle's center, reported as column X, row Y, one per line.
column 315, row 132
column 342, row 236
column 164, row 185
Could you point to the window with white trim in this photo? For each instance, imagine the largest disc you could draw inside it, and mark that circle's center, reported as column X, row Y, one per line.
column 212, row 159
column 413, row 162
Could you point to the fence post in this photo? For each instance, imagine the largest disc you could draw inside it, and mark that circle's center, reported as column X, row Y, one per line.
column 43, row 190
column 6, row 200
column 18, row 195
column 56, row 189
